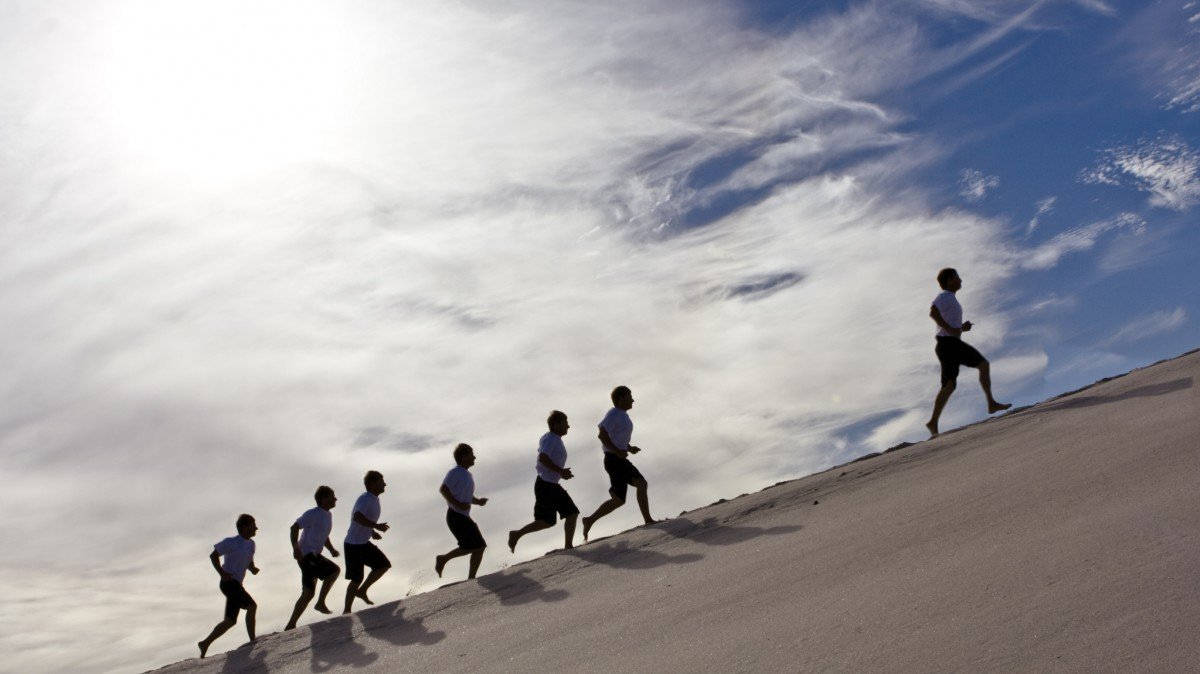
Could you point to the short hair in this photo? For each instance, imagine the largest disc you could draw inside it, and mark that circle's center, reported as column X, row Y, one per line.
column 322, row 492
column 945, row 275
column 619, row 391
column 555, row 416
column 461, row 450
column 244, row 520
column 371, row 476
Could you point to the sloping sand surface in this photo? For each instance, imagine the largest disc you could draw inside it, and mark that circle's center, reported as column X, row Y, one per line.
column 1064, row 536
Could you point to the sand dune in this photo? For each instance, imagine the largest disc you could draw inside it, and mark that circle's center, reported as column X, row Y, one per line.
column 1062, row 536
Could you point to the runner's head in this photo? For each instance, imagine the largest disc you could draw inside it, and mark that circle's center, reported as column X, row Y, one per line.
column 374, row 483
column 558, row 423
column 622, row 398
column 246, row 526
column 948, row 279
column 325, row 497
column 464, row 455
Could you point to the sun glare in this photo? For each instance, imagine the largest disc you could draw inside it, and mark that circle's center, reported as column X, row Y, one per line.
column 214, row 91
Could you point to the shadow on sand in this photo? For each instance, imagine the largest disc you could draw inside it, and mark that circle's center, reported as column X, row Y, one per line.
column 622, row 555
column 245, row 659
column 514, row 586
column 333, row 645
column 1149, row 390
column 388, row 623
column 709, row 532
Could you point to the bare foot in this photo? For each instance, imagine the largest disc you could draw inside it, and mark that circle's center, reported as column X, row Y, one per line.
column 998, row 407
column 289, row 626
column 439, row 563
column 203, row 648
column 933, row 430
column 652, row 521
column 512, row 541
column 587, row 527
column 363, row 596
column 321, row 608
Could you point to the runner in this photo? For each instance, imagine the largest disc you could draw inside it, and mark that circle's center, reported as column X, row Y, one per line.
column 238, row 552
column 316, row 523
column 952, row 351
column 616, row 429
column 549, row 497
column 360, row 551
column 458, row 488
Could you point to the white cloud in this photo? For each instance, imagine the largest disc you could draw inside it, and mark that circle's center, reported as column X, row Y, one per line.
column 432, row 223
column 1165, row 41
column 1044, row 206
column 974, row 185
column 1149, row 325
column 1166, row 167
column 1079, row 239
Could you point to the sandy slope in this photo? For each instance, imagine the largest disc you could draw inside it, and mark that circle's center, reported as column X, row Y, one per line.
column 1065, row 536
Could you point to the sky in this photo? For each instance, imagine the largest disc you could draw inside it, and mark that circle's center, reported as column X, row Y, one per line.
column 253, row 248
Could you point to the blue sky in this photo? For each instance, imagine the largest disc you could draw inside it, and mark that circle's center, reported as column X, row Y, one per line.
column 250, row 250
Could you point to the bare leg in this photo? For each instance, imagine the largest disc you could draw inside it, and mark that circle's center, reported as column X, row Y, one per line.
column 476, row 558
column 643, row 500
column 371, row 578
column 515, row 535
column 351, row 593
column 221, row 628
column 569, row 531
column 604, row 509
column 326, row 586
column 985, row 381
column 938, row 403
column 439, row 562
column 250, row 621
column 301, row 604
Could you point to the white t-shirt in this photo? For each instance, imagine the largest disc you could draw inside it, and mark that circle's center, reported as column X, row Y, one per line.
column 951, row 311
column 619, row 427
column 552, row 446
column 461, row 486
column 315, row 525
column 237, row 554
column 368, row 505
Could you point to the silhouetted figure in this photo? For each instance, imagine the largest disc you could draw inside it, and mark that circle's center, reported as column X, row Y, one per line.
column 458, row 488
column 952, row 351
column 549, row 497
column 315, row 523
column 360, row 551
column 616, row 429
column 238, row 553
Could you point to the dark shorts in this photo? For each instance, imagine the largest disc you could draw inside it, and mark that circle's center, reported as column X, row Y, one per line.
column 236, row 598
column 314, row 567
column 621, row 474
column 465, row 531
column 549, row 498
column 953, row 352
column 364, row 554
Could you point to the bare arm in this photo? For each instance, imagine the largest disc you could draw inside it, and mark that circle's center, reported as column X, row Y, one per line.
column 608, row 444
column 937, row 318
column 360, row 518
column 332, row 550
column 295, row 536
column 445, row 492
column 564, row 473
column 215, row 558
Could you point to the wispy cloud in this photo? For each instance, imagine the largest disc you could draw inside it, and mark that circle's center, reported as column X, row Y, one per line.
column 974, row 185
column 1075, row 240
column 1149, row 325
column 1165, row 41
column 1044, row 206
column 223, row 297
column 1167, row 168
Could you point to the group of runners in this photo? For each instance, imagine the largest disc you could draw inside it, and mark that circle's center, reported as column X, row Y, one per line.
column 234, row 556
